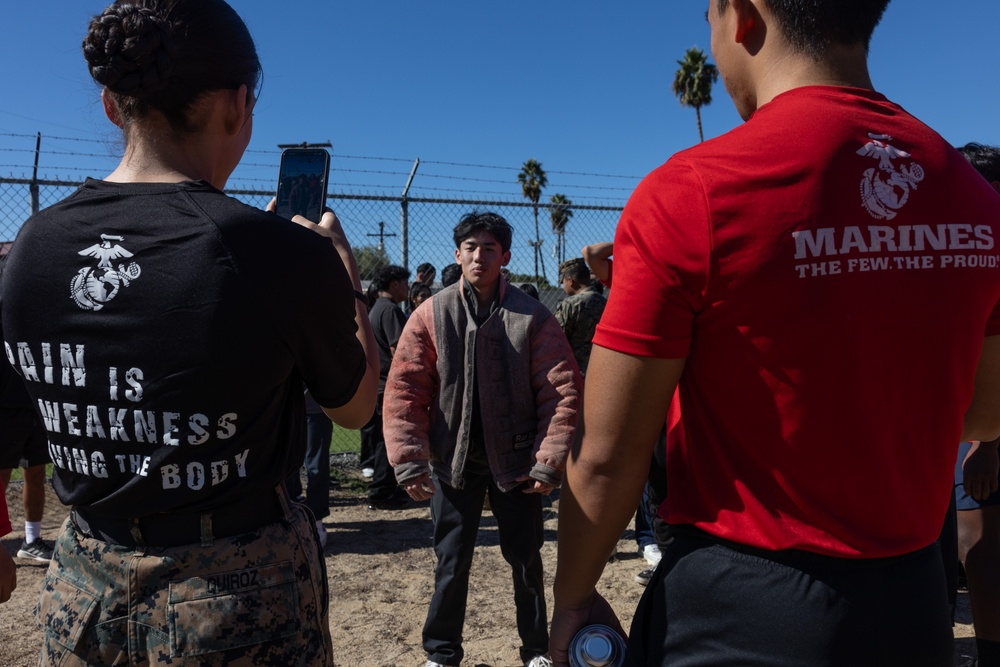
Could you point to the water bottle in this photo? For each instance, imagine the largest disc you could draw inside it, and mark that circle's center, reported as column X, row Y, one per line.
column 597, row 646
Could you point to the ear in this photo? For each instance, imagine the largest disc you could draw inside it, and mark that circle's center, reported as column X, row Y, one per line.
column 506, row 258
column 237, row 108
column 458, row 256
column 110, row 108
column 746, row 16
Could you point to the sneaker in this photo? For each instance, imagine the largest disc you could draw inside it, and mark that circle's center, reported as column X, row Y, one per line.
column 651, row 553
column 368, row 473
column 645, row 576
column 37, row 550
column 431, row 663
column 321, row 529
column 539, row 661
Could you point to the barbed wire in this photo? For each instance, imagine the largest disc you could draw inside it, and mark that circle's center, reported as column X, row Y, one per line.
column 341, row 177
column 276, row 152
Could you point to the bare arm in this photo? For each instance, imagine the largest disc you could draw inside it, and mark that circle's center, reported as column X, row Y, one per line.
column 982, row 419
column 596, row 256
column 625, row 405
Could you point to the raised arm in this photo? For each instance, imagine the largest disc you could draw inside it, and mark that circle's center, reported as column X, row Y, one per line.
column 596, row 256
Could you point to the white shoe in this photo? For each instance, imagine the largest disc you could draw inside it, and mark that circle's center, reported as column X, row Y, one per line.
column 431, row 663
column 368, row 473
column 321, row 529
column 651, row 553
column 539, row 661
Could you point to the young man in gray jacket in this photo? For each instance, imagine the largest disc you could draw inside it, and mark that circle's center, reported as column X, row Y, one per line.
column 482, row 398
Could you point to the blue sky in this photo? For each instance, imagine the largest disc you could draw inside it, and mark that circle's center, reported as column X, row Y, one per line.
column 582, row 86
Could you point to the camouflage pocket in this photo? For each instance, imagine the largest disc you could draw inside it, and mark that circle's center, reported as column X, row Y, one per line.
column 230, row 610
column 63, row 611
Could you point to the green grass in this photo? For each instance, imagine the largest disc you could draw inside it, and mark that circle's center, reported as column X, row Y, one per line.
column 17, row 475
column 345, row 440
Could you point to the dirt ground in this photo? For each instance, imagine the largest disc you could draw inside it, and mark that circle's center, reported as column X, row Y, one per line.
column 380, row 568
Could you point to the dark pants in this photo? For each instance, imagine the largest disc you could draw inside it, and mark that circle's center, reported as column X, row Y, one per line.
column 456, row 514
column 383, row 483
column 319, row 432
column 713, row 603
column 367, row 456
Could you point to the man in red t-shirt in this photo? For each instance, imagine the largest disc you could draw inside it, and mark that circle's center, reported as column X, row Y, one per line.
column 819, row 285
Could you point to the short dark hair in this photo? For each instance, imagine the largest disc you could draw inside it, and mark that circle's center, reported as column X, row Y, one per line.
column 387, row 274
column 450, row 274
column 487, row 221
column 576, row 269
column 425, row 267
column 416, row 287
column 812, row 26
column 164, row 55
column 529, row 289
column 986, row 160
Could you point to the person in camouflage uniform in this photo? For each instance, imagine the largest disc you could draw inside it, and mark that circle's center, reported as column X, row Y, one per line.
column 579, row 313
column 182, row 546
column 228, row 604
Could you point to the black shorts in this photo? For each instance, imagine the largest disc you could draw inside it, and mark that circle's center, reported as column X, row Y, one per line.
column 23, row 442
column 714, row 603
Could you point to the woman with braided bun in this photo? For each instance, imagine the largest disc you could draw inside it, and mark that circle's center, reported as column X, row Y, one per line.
column 169, row 375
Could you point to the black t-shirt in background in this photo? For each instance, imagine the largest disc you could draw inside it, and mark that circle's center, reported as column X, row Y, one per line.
column 164, row 332
column 387, row 323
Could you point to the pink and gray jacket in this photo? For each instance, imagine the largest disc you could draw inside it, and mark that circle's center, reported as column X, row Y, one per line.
column 529, row 390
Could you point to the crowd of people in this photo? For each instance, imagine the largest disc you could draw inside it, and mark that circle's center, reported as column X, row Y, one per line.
column 793, row 344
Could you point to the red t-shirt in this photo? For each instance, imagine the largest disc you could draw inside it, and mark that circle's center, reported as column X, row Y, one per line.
column 829, row 269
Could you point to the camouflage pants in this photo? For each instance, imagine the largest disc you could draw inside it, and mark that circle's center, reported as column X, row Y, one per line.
column 260, row 598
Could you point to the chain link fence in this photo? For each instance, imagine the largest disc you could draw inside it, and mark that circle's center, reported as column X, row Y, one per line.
column 392, row 230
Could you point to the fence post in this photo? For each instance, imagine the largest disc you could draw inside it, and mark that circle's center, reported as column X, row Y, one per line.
column 33, row 187
column 404, row 218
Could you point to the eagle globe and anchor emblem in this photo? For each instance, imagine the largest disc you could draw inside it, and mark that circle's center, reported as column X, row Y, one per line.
column 92, row 287
column 887, row 189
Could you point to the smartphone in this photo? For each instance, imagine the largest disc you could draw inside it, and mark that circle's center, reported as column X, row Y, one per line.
column 302, row 179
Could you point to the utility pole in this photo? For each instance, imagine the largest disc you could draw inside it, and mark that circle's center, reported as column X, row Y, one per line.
column 381, row 236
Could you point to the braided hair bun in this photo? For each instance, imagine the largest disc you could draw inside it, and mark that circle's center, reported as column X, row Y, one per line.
column 128, row 49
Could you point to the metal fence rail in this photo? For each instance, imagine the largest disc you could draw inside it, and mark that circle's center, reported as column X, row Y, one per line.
column 384, row 230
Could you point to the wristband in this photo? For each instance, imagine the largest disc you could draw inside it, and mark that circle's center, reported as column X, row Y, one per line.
column 361, row 297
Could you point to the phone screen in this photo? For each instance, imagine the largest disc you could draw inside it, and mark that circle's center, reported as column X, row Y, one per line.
column 302, row 179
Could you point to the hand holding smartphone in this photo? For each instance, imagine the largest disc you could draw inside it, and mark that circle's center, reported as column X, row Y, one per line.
column 302, row 183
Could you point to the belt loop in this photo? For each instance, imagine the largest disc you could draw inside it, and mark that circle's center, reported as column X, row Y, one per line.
column 283, row 500
column 206, row 530
column 133, row 528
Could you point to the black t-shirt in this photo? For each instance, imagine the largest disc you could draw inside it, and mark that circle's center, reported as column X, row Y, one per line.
column 387, row 324
column 164, row 332
column 13, row 395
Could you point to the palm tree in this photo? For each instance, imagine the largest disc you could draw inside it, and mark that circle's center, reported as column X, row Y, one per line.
column 561, row 214
column 693, row 82
column 532, row 179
